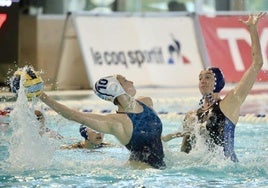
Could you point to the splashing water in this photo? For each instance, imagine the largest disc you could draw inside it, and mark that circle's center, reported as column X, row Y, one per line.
column 29, row 153
column 27, row 149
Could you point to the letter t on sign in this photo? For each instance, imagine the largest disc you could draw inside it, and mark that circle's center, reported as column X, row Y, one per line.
column 232, row 36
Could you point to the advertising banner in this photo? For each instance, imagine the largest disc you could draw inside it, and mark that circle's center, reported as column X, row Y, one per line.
column 151, row 51
column 9, row 38
column 228, row 45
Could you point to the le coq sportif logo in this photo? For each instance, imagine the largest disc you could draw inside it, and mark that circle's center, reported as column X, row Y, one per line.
column 140, row 57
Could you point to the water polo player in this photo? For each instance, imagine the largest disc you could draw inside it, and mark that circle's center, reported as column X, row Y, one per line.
column 93, row 140
column 216, row 118
column 136, row 125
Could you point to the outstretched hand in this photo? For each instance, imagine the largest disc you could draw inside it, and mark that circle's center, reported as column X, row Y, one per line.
column 252, row 19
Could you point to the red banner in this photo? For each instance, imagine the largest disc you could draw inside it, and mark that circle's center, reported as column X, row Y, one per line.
column 228, row 45
column 3, row 18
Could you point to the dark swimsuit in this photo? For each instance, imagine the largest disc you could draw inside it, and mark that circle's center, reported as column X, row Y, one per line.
column 220, row 129
column 145, row 144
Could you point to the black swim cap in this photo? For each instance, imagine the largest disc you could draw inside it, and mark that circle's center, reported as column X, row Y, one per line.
column 219, row 79
column 83, row 131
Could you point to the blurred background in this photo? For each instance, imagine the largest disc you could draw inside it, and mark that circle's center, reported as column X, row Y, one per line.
column 31, row 31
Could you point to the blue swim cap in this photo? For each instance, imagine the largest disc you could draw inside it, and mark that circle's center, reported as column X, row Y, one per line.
column 108, row 88
column 83, row 131
column 219, row 79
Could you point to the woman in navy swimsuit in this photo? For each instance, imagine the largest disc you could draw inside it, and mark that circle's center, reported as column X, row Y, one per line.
column 216, row 118
column 135, row 125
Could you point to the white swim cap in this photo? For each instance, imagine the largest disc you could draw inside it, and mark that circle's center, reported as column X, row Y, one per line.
column 108, row 88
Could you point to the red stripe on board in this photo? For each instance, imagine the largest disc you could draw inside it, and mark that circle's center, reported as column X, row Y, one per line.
column 3, row 18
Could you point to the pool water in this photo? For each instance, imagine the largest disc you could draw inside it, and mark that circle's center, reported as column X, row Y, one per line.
column 28, row 160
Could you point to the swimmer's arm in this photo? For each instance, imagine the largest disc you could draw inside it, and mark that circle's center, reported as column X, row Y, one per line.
column 237, row 96
column 102, row 123
column 248, row 79
column 184, row 144
column 171, row 136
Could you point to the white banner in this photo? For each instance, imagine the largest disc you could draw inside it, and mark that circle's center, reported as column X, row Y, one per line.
column 158, row 51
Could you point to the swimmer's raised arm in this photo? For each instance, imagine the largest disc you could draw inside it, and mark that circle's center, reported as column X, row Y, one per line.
column 249, row 77
column 234, row 99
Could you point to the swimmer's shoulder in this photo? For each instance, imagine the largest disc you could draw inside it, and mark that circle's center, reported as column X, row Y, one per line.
column 146, row 100
column 230, row 106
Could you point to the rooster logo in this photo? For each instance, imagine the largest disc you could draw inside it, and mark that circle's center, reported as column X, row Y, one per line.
column 174, row 50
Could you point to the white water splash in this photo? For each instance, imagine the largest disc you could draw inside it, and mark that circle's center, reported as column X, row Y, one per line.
column 201, row 148
column 27, row 149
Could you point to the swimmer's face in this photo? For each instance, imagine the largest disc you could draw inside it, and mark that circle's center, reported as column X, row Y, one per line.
column 94, row 137
column 127, row 85
column 206, row 82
